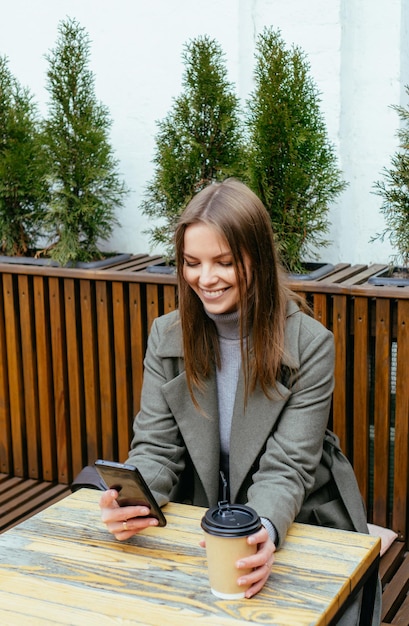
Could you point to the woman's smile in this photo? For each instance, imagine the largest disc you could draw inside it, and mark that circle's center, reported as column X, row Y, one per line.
column 213, row 294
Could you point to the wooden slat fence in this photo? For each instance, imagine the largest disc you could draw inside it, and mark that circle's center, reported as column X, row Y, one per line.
column 71, row 363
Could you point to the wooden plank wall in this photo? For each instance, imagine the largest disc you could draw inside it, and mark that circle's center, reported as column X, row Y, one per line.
column 71, row 366
column 370, row 410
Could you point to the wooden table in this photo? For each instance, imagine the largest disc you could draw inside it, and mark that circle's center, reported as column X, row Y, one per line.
column 62, row 567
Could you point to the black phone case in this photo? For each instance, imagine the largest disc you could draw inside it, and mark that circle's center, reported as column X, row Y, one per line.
column 130, row 485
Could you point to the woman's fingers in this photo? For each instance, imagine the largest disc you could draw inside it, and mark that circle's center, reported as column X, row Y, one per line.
column 127, row 528
column 123, row 522
column 260, row 563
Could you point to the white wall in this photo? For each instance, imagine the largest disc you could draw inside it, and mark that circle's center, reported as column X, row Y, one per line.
column 357, row 50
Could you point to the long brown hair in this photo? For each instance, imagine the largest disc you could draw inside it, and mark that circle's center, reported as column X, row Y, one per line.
column 237, row 214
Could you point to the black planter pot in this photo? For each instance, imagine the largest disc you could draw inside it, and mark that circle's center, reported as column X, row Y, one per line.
column 27, row 260
column 396, row 277
column 313, row 271
column 161, row 268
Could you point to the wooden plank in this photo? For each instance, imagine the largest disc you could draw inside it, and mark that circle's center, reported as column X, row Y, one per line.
column 123, row 380
column 75, row 376
column 15, row 375
column 90, row 370
column 390, row 561
column 361, row 389
column 6, row 457
column 395, row 591
column 21, row 500
column 346, row 274
column 362, row 276
column 402, row 615
column 340, row 391
column 109, row 437
column 45, row 378
column 152, row 304
column 382, row 410
column 401, row 461
column 302, row 294
column 29, row 366
column 138, row 343
column 59, row 367
column 320, row 309
column 169, row 298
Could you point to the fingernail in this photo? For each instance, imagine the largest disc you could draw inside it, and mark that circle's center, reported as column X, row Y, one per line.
column 153, row 522
column 240, row 564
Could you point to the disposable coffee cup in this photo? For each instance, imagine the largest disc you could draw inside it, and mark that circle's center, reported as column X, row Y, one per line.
column 226, row 528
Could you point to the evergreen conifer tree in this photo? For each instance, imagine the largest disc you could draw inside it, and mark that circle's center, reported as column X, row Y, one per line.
column 86, row 189
column 198, row 142
column 23, row 184
column 394, row 190
column 292, row 164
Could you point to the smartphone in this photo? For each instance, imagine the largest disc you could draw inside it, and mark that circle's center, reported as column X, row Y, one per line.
column 130, row 485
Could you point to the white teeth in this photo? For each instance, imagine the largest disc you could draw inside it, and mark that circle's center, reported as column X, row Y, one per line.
column 213, row 294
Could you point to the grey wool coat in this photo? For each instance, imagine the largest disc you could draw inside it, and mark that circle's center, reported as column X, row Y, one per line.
column 275, row 446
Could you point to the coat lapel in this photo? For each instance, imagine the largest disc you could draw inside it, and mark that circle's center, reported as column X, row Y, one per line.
column 251, row 428
column 200, row 431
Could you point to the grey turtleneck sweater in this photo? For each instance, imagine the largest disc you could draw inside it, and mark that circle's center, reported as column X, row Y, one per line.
column 228, row 330
column 227, row 376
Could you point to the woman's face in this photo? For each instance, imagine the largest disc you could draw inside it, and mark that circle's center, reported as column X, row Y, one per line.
column 208, row 269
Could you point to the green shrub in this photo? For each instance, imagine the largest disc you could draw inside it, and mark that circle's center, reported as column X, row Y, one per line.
column 23, row 168
column 86, row 189
column 199, row 141
column 292, row 164
column 394, row 190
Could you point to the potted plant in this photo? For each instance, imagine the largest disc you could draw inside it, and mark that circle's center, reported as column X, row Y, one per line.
column 85, row 187
column 23, row 169
column 199, row 141
column 292, row 164
column 394, row 191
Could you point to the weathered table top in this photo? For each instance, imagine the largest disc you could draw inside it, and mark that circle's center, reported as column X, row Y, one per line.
column 62, row 567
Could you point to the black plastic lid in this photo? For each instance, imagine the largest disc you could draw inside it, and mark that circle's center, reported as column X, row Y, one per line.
column 231, row 520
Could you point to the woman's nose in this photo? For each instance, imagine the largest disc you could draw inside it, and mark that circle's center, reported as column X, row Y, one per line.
column 208, row 275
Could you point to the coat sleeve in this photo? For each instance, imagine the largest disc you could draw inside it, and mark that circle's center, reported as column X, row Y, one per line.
column 157, row 447
column 293, row 450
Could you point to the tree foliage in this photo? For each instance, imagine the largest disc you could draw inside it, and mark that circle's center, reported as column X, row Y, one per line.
column 86, row 189
column 292, row 164
column 199, row 141
column 23, row 167
column 394, row 190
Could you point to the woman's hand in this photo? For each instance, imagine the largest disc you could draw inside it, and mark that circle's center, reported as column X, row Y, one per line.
column 123, row 522
column 261, row 562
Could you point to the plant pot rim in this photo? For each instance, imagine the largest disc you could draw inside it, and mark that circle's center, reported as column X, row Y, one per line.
column 161, row 268
column 385, row 278
column 28, row 260
column 314, row 270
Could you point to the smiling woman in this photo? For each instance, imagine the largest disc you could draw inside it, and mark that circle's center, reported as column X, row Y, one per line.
column 238, row 382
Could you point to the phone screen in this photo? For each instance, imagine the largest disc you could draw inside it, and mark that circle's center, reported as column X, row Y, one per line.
column 130, row 485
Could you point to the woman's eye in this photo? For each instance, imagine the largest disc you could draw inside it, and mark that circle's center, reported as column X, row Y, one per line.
column 190, row 263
